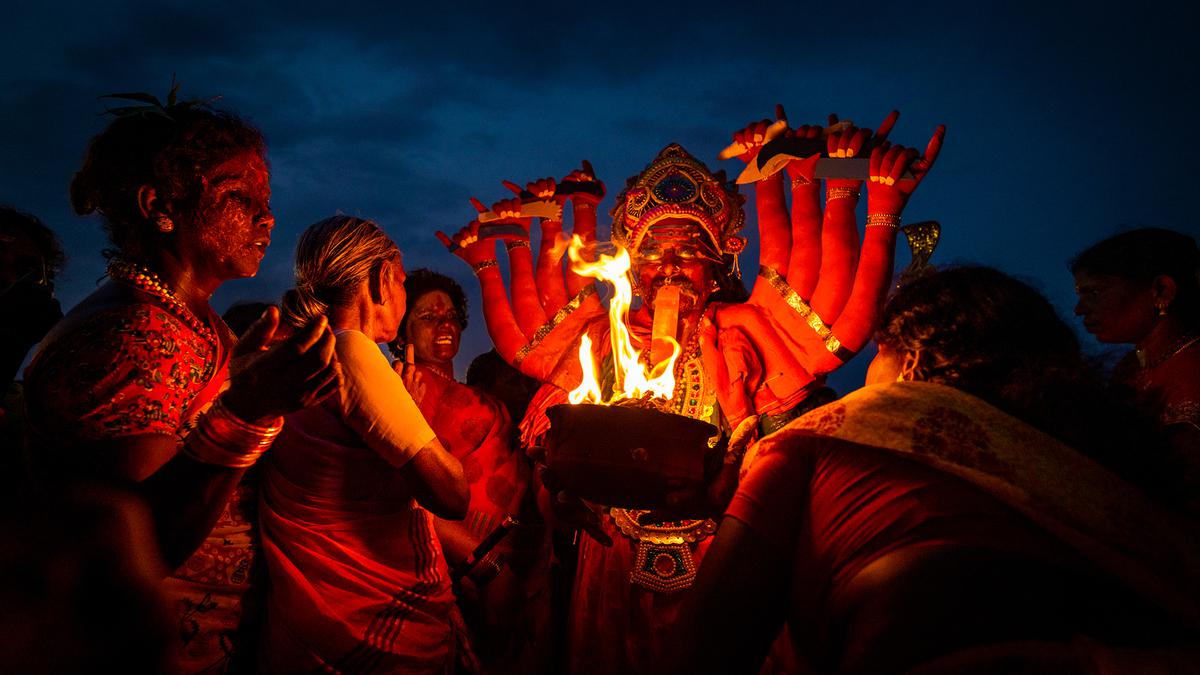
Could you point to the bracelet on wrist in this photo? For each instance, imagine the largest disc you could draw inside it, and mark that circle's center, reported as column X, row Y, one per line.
column 516, row 243
column 840, row 193
column 883, row 220
column 483, row 265
column 487, row 568
column 223, row 439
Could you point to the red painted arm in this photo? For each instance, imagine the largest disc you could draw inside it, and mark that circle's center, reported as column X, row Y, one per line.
column 804, row 263
column 502, row 325
column 887, row 196
column 583, row 215
column 552, row 288
column 526, row 305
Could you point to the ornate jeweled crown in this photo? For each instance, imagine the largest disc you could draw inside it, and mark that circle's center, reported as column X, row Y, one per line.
column 676, row 184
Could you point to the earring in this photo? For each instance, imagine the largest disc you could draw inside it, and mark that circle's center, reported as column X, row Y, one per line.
column 1162, row 310
column 164, row 224
column 715, row 285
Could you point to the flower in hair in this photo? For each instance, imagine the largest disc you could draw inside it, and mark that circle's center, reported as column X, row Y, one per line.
column 152, row 104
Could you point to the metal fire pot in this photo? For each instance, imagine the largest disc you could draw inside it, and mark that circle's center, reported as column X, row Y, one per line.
column 628, row 457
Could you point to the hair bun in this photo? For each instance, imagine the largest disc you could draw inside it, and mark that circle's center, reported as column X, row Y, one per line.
column 299, row 307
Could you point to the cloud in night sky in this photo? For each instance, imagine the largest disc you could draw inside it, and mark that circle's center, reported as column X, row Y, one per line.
column 1064, row 125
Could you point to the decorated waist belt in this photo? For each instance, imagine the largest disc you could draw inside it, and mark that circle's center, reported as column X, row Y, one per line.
column 664, row 562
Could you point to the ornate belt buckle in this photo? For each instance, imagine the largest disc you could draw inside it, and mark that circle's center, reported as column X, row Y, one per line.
column 663, row 568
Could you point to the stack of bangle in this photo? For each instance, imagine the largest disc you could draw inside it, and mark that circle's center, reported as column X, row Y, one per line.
column 221, row 438
column 516, row 243
column 483, row 265
column 883, row 220
column 837, row 192
column 487, row 568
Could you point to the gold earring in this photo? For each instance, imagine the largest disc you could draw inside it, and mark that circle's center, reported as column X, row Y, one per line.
column 1162, row 310
column 164, row 224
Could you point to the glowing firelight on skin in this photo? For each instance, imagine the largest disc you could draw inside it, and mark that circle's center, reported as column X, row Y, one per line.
column 632, row 379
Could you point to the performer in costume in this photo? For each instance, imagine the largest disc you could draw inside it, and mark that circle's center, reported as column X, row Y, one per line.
column 759, row 359
column 124, row 390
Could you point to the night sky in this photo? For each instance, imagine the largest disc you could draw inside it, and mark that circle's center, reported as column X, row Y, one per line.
column 1065, row 124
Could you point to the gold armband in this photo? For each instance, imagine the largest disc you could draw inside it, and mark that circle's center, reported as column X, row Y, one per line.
column 481, row 266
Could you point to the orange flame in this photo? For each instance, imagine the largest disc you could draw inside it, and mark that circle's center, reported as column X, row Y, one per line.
column 632, row 380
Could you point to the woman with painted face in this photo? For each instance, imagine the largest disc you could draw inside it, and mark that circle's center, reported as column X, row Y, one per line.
column 1142, row 288
column 476, row 428
column 966, row 508
column 124, row 390
column 358, row 580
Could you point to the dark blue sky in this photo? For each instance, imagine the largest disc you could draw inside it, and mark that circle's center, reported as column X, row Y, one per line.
column 1066, row 124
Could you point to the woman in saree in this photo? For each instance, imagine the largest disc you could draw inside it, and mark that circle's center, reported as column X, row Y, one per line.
column 124, row 390
column 1142, row 288
column 961, row 508
column 358, row 581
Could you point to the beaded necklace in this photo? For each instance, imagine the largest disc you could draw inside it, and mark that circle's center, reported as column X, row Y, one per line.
column 148, row 282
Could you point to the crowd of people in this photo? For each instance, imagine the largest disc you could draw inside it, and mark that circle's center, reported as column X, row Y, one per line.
column 268, row 492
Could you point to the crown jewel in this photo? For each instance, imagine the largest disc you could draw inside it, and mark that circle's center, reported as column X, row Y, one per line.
column 677, row 185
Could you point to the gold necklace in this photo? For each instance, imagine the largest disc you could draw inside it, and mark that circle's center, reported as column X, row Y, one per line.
column 149, row 283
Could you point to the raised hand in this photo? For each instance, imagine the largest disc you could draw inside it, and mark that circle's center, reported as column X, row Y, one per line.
column 748, row 140
column 295, row 374
column 467, row 245
column 581, row 186
column 888, row 192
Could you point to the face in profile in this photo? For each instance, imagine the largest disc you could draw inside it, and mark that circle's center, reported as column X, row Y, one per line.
column 1114, row 309
column 666, row 257
column 434, row 328
column 230, row 230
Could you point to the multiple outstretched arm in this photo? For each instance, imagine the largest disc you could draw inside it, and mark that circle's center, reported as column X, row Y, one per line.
column 829, row 291
column 535, row 327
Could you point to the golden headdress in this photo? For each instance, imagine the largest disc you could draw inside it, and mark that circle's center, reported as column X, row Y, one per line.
column 676, row 184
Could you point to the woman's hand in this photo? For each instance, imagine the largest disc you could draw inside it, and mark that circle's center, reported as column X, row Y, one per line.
column 410, row 375
column 297, row 373
column 888, row 192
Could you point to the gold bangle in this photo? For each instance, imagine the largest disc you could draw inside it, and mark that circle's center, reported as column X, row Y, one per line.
column 838, row 192
column 800, row 181
column 487, row 568
column 516, row 243
column 481, row 266
column 221, row 438
column 883, row 220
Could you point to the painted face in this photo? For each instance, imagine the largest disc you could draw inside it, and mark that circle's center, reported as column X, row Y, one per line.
column 885, row 367
column 434, row 328
column 682, row 261
column 1115, row 310
column 229, row 232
